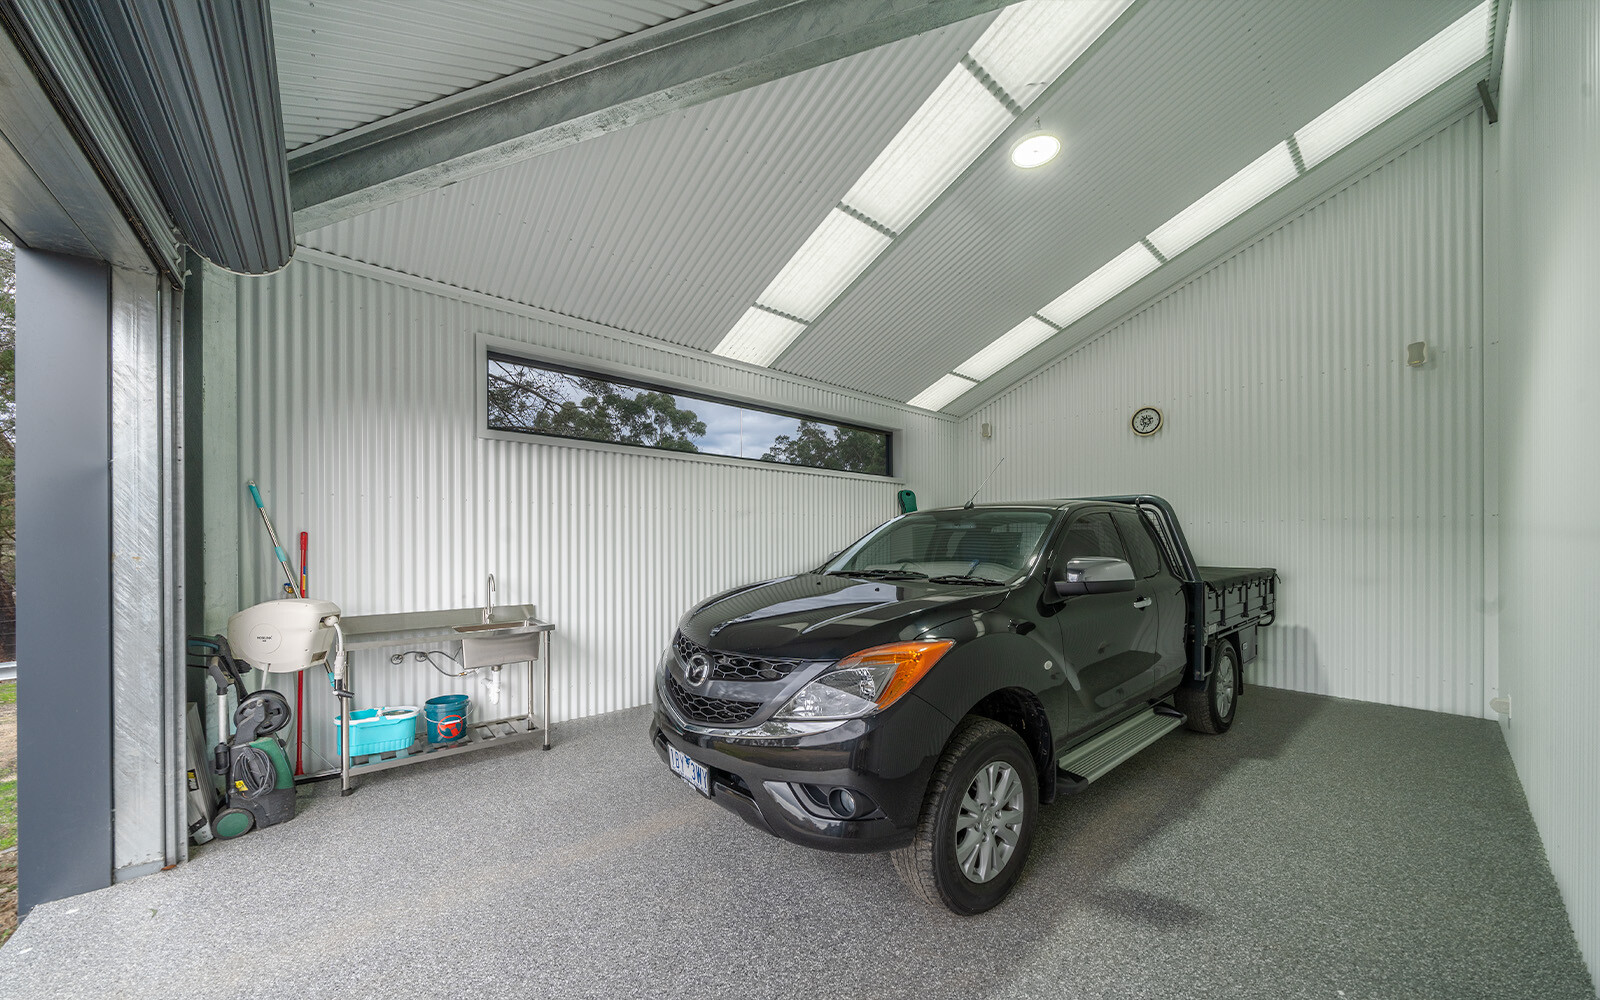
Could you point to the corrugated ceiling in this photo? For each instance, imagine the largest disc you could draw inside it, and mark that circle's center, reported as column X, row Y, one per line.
column 346, row 63
column 1186, row 94
column 673, row 227
column 670, row 228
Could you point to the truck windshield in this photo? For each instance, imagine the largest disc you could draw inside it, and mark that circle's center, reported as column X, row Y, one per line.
column 983, row 546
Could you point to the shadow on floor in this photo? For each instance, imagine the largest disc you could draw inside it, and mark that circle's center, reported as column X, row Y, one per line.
column 1320, row 846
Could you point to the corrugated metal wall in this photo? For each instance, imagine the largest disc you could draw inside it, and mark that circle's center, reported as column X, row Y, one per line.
column 1548, row 266
column 1295, row 435
column 358, row 417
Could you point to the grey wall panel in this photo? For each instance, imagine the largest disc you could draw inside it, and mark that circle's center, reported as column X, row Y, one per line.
column 1548, row 267
column 64, row 613
column 1295, row 435
column 358, row 417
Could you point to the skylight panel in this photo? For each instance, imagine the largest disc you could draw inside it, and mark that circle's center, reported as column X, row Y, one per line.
column 941, row 393
column 956, row 123
column 1418, row 73
column 1006, row 348
column 759, row 337
column 1023, row 51
column 1226, row 202
column 830, row 259
column 1032, row 43
column 1100, row 287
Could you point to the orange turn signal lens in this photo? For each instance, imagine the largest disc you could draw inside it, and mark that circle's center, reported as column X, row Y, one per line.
column 911, row 660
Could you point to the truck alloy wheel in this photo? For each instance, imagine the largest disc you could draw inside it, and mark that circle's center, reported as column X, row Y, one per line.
column 1210, row 709
column 989, row 821
column 977, row 820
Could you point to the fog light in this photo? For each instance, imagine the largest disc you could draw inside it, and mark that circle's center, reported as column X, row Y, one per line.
column 843, row 802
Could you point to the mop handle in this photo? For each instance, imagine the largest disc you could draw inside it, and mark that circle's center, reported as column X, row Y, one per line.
column 277, row 547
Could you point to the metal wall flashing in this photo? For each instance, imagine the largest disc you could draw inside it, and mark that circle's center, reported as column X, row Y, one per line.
column 147, row 673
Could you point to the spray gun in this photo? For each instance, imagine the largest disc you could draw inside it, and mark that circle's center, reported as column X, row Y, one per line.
column 336, row 669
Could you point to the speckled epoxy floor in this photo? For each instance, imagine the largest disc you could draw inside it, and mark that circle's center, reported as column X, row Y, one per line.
column 1323, row 848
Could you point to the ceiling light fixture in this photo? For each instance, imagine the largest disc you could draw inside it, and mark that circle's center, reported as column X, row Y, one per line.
column 1035, row 150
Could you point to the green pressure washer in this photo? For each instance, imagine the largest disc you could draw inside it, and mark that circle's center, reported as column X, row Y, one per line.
column 258, row 782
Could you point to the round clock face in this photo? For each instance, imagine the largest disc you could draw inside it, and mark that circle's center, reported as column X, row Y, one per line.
column 1146, row 421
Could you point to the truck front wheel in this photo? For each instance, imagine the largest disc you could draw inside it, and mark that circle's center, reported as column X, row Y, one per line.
column 977, row 820
column 1210, row 709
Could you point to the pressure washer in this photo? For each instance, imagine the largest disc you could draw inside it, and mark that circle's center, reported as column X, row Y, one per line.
column 257, row 780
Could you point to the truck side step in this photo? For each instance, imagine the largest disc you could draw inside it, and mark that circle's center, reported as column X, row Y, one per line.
column 1094, row 759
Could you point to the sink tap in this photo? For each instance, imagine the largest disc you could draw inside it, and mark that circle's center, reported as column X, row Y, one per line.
column 488, row 609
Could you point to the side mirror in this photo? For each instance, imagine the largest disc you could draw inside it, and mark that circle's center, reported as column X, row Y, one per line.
column 1092, row 575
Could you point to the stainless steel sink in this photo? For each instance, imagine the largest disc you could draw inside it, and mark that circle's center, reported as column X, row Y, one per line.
column 510, row 636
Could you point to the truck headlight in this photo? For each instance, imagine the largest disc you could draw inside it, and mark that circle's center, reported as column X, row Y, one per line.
column 865, row 682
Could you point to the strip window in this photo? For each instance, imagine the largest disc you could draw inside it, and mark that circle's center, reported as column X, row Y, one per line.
column 537, row 398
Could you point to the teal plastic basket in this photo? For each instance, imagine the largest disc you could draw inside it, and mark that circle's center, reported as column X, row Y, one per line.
column 378, row 730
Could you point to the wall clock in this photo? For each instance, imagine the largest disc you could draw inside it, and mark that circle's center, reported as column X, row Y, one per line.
column 1146, row 421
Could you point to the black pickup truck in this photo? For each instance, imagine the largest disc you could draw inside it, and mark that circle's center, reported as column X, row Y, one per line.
column 928, row 688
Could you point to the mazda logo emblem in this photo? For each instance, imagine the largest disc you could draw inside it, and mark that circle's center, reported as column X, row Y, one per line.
column 697, row 669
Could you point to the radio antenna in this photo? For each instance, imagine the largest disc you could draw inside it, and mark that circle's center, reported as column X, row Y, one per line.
column 974, row 497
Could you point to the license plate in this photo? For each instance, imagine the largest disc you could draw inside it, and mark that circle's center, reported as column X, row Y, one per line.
column 690, row 770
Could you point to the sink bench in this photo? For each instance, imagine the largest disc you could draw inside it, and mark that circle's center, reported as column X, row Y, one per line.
column 513, row 634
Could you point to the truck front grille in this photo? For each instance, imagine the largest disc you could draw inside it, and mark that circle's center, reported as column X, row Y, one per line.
column 735, row 666
column 709, row 711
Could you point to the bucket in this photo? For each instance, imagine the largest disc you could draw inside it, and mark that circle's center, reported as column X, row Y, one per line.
column 378, row 730
column 447, row 717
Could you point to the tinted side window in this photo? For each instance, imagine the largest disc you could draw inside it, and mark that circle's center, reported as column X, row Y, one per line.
column 1141, row 544
column 1091, row 534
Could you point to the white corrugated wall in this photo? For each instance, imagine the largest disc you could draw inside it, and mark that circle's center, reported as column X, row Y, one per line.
column 1295, row 435
column 357, row 414
column 1549, row 345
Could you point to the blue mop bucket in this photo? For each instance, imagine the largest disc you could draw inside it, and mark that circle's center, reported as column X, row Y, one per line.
column 447, row 717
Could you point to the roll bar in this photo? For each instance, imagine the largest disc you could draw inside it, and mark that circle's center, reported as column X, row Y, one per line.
column 1194, row 588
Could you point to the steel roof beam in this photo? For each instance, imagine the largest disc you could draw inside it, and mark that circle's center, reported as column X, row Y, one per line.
column 685, row 62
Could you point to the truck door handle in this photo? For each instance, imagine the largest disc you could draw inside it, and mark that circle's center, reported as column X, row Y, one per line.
column 1142, row 603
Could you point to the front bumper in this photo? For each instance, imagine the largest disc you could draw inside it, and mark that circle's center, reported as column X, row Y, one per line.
column 887, row 757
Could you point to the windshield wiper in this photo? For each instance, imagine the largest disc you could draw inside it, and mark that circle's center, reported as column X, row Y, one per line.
column 881, row 574
column 981, row 581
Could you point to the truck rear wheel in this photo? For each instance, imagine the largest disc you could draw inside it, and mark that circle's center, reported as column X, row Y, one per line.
column 1210, row 709
column 977, row 820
